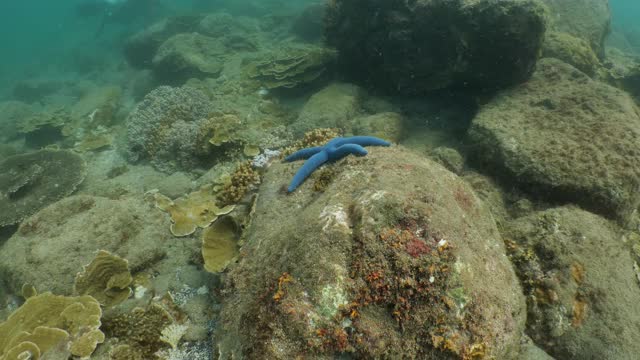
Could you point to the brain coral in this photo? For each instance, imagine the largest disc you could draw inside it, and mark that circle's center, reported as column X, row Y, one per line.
column 29, row 182
column 164, row 127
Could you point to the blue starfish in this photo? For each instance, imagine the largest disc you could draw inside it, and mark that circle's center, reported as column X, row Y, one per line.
column 335, row 149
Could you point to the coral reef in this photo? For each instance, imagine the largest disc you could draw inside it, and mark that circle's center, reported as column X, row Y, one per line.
column 290, row 66
column 45, row 321
column 165, row 126
column 566, row 137
column 106, row 278
column 29, row 182
column 414, row 47
column 196, row 210
column 220, row 244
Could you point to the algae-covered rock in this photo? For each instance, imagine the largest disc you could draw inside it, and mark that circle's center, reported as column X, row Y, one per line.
column 585, row 19
column 334, row 106
column 186, row 56
column 386, row 125
column 572, row 50
column 410, row 47
column 47, row 322
column 63, row 237
column 565, row 137
column 106, row 278
column 29, row 182
column 397, row 258
column 624, row 71
column 289, row 66
column 140, row 48
column 582, row 293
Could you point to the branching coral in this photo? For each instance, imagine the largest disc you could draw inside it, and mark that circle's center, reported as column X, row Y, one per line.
column 243, row 179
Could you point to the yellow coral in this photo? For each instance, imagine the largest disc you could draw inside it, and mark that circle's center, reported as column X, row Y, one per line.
column 198, row 209
column 219, row 245
column 106, row 278
column 45, row 321
column 173, row 333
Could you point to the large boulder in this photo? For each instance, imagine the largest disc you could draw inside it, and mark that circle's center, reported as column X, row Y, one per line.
column 186, row 56
column 564, row 137
column 588, row 20
column 140, row 48
column 411, row 47
column 52, row 246
column 397, row 258
column 578, row 275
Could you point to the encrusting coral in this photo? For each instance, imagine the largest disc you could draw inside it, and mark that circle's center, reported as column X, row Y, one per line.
column 29, row 182
column 198, row 209
column 46, row 321
column 106, row 278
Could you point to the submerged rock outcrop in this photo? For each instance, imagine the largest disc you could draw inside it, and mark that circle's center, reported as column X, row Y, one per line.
column 564, row 137
column 396, row 258
column 410, row 47
column 582, row 293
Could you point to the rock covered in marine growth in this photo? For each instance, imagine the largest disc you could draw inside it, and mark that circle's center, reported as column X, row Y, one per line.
column 29, row 182
column 588, row 20
column 581, row 288
column 140, row 48
column 52, row 246
column 564, row 137
column 417, row 46
column 395, row 258
column 185, row 56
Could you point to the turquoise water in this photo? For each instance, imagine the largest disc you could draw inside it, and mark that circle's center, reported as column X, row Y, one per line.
column 484, row 204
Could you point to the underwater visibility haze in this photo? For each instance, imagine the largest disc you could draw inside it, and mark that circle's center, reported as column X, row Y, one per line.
column 319, row 179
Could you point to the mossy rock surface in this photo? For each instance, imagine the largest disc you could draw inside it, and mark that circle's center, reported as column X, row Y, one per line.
column 564, row 137
column 410, row 47
column 52, row 246
column 29, row 182
column 581, row 288
column 397, row 258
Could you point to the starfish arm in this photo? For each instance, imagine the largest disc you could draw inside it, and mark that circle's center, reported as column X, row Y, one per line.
column 367, row 141
column 303, row 154
column 346, row 149
column 307, row 168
